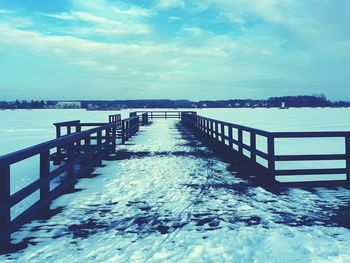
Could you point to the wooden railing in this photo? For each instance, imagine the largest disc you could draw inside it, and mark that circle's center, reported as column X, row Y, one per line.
column 74, row 152
column 69, row 127
column 230, row 136
column 83, row 150
column 129, row 128
column 163, row 114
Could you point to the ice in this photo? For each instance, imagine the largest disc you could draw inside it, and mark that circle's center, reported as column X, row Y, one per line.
column 173, row 201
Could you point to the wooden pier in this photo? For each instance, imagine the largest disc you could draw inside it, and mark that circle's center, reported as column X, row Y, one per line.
column 78, row 147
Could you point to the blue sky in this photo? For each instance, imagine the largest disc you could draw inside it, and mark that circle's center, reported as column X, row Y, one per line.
column 177, row 49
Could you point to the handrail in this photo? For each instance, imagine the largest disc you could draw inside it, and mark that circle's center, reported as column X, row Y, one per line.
column 210, row 127
column 59, row 142
column 83, row 148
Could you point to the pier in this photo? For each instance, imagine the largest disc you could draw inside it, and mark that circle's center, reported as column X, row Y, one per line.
column 81, row 147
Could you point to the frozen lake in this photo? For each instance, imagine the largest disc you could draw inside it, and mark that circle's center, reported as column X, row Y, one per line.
column 23, row 128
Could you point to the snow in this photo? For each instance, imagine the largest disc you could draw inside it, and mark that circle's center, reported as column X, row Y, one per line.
column 172, row 201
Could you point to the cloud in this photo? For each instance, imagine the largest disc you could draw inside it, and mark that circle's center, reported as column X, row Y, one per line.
column 166, row 4
column 102, row 25
column 241, row 48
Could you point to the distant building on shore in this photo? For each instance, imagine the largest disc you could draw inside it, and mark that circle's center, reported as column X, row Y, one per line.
column 68, row 105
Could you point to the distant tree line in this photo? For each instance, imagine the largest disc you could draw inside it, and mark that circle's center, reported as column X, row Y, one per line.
column 317, row 100
column 23, row 104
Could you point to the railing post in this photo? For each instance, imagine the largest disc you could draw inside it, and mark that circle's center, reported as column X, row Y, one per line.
column 58, row 131
column 114, row 137
column 87, row 144
column 271, row 154
column 45, row 178
column 223, row 133
column 253, row 146
column 123, row 131
column 165, row 115
column 240, row 141
column 59, row 149
column 5, row 209
column 99, row 146
column 230, row 135
column 70, row 163
column 347, row 154
column 78, row 129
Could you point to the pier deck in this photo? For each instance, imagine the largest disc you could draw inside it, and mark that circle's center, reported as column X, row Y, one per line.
column 164, row 196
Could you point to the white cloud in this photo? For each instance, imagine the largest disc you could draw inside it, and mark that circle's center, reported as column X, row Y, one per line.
column 165, row 4
column 102, row 25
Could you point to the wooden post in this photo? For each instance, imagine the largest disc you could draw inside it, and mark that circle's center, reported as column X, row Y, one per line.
column 58, row 131
column 70, row 162
column 123, row 131
column 347, row 154
column 271, row 154
column 216, row 131
column 222, row 133
column 59, row 149
column 240, row 141
column 253, row 146
column 230, row 135
column 99, row 146
column 5, row 209
column 44, row 178
column 211, row 128
column 78, row 129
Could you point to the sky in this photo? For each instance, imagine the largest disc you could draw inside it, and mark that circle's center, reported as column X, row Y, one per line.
column 174, row 49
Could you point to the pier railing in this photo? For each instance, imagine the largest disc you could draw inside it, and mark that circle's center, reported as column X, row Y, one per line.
column 83, row 150
column 129, row 128
column 73, row 153
column 163, row 114
column 231, row 137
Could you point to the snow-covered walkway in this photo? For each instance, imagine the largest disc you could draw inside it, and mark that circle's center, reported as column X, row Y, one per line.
column 165, row 198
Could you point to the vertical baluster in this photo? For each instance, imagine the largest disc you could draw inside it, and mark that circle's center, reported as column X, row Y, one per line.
column 99, row 147
column 123, row 132
column 45, row 178
column 70, row 163
column 347, row 154
column 253, row 146
column 222, row 133
column 5, row 209
column 271, row 154
column 230, row 136
column 240, row 141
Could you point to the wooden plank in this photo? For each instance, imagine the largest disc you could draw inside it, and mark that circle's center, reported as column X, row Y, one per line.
column 25, row 192
column 310, row 171
column 315, row 157
column 327, row 134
